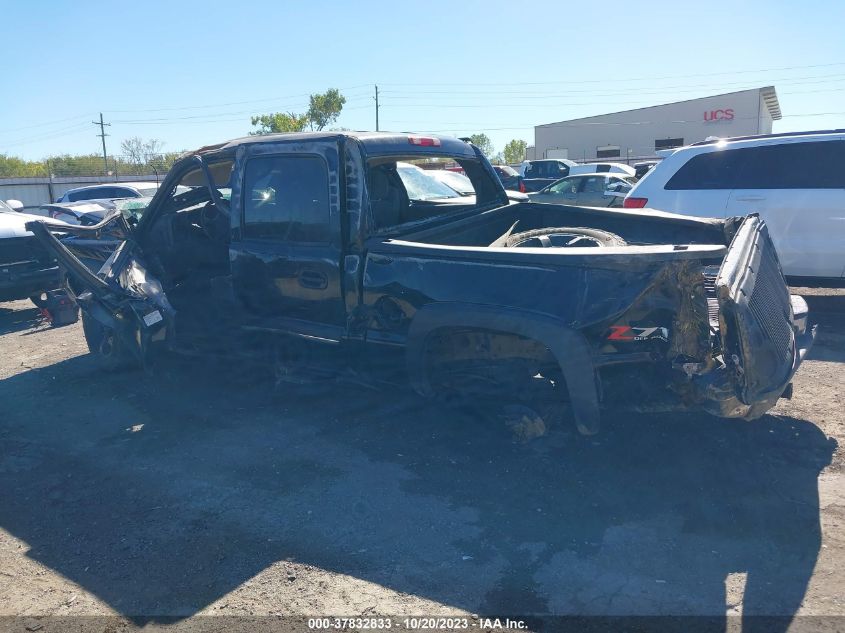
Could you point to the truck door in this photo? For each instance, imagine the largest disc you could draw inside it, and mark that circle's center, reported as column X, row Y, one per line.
column 286, row 251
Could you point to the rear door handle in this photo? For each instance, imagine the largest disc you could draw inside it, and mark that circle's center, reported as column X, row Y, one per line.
column 313, row 279
column 750, row 198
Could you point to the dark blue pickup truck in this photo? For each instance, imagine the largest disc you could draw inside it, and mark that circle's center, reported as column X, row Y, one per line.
column 310, row 245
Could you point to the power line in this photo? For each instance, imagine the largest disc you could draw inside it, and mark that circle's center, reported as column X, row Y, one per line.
column 745, row 85
column 45, row 124
column 217, row 114
column 231, row 103
column 619, row 79
column 73, row 129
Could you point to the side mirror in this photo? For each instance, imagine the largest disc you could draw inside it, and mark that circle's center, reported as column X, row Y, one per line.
column 16, row 205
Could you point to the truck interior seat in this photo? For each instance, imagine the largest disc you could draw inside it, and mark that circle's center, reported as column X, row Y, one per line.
column 388, row 197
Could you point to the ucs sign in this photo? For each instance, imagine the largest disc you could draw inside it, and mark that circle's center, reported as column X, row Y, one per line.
column 719, row 115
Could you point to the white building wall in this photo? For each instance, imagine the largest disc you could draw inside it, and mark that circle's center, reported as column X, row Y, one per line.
column 635, row 131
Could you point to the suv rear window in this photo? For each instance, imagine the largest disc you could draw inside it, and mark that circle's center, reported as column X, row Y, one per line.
column 546, row 169
column 811, row 165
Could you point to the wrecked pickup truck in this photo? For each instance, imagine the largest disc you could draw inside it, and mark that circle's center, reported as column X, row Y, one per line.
column 310, row 245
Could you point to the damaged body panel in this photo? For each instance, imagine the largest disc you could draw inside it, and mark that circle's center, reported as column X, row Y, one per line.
column 314, row 245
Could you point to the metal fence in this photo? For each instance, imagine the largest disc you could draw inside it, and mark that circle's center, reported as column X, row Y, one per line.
column 34, row 192
column 38, row 182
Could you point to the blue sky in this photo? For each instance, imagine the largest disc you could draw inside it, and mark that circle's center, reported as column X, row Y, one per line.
column 190, row 73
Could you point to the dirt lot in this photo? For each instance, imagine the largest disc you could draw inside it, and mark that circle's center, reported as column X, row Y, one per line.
column 201, row 489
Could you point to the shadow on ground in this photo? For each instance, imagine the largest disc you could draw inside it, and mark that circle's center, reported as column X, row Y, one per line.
column 12, row 320
column 161, row 494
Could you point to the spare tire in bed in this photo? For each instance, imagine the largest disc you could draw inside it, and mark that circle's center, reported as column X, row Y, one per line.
column 564, row 237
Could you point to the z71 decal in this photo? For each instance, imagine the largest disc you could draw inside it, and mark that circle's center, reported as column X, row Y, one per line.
column 628, row 333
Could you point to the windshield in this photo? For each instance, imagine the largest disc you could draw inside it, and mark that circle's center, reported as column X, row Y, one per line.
column 133, row 207
column 6, row 208
column 421, row 186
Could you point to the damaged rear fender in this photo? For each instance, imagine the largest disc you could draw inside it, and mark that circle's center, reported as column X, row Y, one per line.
column 569, row 348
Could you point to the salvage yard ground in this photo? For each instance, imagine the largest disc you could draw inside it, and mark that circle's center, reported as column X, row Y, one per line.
column 202, row 489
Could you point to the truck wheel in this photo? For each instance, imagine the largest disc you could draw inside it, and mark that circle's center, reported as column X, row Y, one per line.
column 564, row 237
column 104, row 344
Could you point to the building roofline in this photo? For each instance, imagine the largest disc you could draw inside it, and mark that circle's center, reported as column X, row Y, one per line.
column 767, row 93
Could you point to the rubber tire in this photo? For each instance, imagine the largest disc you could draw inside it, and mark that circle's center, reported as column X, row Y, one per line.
column 605, row 238
column 95, row 333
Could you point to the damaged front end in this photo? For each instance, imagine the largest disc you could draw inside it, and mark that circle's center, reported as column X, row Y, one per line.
column 122, row 297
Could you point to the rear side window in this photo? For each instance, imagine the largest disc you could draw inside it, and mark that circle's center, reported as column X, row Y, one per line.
column 812, row 165
column 713, row 170
column 85, row 194
column 817, row 165
column 286, row 198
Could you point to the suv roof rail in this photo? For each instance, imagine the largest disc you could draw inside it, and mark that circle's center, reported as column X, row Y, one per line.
column 762, row 136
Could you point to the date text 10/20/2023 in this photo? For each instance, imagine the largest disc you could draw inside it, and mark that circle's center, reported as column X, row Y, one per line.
column 415, row 623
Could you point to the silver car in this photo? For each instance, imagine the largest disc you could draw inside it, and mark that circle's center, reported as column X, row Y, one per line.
column 586, row 190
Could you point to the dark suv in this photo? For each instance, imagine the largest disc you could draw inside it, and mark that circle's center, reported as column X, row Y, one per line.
column 539, row 174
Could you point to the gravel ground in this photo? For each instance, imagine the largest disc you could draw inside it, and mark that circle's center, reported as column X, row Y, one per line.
column 201, row 489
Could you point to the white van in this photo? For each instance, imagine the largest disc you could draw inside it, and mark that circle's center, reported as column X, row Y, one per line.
column 795, row 181
column 602, row 168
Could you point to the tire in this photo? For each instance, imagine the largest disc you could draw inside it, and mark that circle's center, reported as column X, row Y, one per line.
column 105, row 345
column 596, row 236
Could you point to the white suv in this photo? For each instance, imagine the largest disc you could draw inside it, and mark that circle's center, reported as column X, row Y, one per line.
column 795, row 181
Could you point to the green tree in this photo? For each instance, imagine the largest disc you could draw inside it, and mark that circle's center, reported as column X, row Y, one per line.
column 67, row 165
column 14, row 167
column 483, row 142
column 279, row 122
column 515, row 151
column 323, row 109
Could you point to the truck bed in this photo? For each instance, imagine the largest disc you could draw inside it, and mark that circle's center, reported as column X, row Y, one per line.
column 637, row 228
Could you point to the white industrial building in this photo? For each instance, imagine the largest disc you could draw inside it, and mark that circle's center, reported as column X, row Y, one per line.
column 640, row 133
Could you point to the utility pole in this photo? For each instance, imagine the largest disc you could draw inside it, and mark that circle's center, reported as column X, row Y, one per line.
column 103, row 136
column 376, row 108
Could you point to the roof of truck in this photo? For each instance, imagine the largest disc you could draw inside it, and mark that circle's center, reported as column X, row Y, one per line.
column 373, row 142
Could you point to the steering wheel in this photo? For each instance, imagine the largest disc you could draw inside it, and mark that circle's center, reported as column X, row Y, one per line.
column 212, row 219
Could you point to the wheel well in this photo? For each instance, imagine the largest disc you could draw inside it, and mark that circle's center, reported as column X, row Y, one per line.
column 501, row 358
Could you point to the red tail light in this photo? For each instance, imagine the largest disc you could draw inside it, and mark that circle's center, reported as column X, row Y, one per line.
column 634, row 203
column 521, row 187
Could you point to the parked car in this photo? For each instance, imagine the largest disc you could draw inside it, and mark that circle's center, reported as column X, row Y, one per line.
column 458, row 183
column 86, row 213
column 110, row 191
column 324, row 258
column 27, row 268
column 588, row 190
column 539, row 174
column 643, row 167
column 602, row 168
column 795, row 181
column 421, row 185
column 508, row 176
